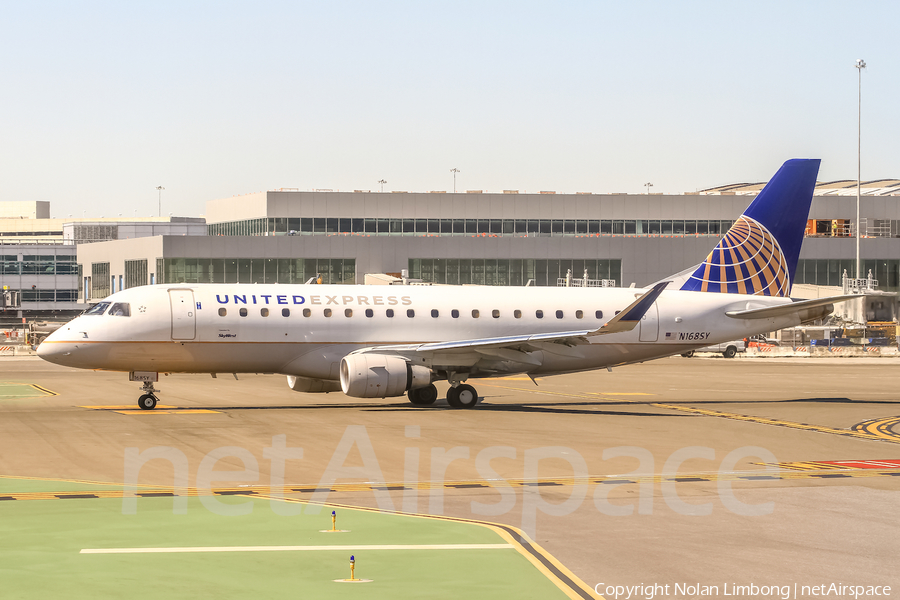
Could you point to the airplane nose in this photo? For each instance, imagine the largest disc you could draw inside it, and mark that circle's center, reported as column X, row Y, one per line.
column 56, row 348
column 52, row 351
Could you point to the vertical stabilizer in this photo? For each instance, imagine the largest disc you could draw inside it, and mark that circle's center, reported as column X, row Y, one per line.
column 759, row 253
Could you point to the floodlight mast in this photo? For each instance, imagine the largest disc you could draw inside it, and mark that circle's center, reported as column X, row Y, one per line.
column 159, row 189
column 860, row 65
column 454, row 170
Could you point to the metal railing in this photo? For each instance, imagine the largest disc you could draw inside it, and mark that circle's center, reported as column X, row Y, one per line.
column 859, row 286
column 569, row 281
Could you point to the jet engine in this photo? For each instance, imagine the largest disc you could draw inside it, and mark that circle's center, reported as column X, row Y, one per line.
column 312, row 386
column 380, row 375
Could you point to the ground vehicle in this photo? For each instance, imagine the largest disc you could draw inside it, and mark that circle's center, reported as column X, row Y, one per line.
column 761, row 340
column 728, row 349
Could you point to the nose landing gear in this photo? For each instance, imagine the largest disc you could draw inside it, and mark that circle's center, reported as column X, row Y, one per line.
column 148, row 399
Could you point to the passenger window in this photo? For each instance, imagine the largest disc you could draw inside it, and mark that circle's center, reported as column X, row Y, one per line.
column 495, row 313
column 598, row 314
column 327, row 312
column 243, row 312
column 222, row 312
column 539, row 314
column 434, row 313
column 306, row 312
column 559, row 314
column 579, row 314
column 410, row 313
column 517, row 314
column 285, row 312
column 389, row 313
column 348, row 312
column 475, row 313
column 264, row 312
column 370, row 313
column 454, row 313
column 120, row 309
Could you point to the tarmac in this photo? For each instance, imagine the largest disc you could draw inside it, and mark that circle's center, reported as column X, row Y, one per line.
column 701, row 472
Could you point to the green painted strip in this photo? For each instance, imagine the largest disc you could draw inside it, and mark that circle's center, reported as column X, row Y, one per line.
column 40, row 544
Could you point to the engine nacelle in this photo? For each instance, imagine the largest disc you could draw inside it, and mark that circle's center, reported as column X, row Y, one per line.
column 380, row 376
column 312, row 386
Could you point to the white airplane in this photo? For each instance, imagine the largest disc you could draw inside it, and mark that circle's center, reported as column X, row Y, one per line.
column 380, row 341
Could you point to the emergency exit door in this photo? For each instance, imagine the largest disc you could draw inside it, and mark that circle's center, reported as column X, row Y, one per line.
column 184, row 311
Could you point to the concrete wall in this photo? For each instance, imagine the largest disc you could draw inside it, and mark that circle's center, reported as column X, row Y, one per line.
column 473, row 206
column 118, row 251
column 24, row 209
column 237, row 208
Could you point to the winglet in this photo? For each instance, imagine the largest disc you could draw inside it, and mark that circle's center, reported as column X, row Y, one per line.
column 628, row 319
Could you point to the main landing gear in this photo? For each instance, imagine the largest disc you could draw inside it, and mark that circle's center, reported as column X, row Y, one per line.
column 148, row 399
column 460, row 395
column 423, row 396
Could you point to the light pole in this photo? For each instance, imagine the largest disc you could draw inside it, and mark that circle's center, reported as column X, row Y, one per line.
column 860, row 65
column 454, row 170
column 648, row 185
column 382, row 182
column 159, row 189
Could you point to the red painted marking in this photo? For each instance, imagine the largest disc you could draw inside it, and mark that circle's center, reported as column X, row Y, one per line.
column 864, row 464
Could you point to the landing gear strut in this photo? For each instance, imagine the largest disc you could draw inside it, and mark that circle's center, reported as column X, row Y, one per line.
column 148, row 400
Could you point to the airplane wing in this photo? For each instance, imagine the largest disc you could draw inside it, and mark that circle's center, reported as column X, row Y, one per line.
column 826, row 305
column 517, row 347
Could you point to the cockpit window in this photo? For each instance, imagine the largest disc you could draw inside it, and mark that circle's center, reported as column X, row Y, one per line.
column 120, row 309
column 97, row 309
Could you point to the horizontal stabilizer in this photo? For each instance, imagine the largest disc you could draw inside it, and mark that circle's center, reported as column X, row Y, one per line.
column 782, row 310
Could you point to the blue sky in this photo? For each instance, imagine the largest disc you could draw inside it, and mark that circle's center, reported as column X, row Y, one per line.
column 103, row 101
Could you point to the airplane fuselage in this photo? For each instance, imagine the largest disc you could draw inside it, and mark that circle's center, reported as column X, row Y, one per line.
column 305, row 330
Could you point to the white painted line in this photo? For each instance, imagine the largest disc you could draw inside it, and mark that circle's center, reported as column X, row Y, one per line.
column 297, row 548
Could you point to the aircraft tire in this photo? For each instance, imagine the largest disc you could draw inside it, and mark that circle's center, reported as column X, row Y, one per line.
column 688, row 354
column 423, row 396
column 147, row 402
column 462, row 396
column 730, row 351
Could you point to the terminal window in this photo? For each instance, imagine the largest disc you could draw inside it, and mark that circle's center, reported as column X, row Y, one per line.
column 514, row 272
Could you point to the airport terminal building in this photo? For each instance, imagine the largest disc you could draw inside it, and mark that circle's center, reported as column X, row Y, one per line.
column 508, row 238
column 40, row 276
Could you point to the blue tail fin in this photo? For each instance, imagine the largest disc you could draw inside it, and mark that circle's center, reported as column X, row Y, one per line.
column 759, row 253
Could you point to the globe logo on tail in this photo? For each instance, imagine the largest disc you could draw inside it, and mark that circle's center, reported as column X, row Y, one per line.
column 748, row 260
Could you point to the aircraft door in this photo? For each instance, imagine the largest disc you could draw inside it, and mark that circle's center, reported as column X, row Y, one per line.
column 650, row 325
column 184, row 311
